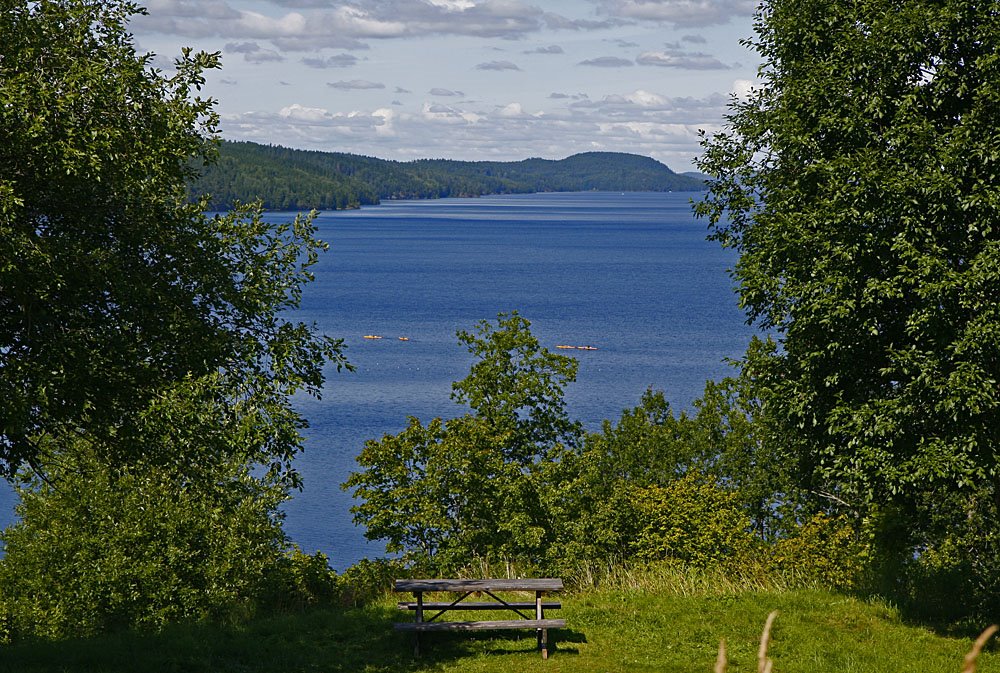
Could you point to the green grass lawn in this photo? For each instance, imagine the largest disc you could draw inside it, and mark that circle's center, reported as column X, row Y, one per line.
column 608, row 630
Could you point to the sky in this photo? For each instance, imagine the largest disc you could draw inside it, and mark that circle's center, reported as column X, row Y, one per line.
column 472, row 80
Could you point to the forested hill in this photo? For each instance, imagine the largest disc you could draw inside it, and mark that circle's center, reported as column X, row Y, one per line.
column 287, row 179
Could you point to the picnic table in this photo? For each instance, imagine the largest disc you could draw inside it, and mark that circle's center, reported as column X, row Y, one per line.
column 531, row 614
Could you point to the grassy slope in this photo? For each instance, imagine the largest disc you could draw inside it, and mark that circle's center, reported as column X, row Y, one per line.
column 609, row 631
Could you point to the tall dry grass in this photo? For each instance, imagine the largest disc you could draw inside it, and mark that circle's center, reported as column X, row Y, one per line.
column 676, row 579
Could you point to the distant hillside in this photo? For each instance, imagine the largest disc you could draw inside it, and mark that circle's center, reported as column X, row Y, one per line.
column 287, row 179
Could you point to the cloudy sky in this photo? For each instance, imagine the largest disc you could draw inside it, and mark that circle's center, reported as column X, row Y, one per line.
column 466, row 79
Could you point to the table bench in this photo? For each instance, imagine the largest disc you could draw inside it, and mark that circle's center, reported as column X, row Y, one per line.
column 531, row 614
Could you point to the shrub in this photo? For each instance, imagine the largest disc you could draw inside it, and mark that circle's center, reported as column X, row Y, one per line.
column 103, row 549
column 298, row 580
column 824, row 549
column 693, row 520
column 369, row 579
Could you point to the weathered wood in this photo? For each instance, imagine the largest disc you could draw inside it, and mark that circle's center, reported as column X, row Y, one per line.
column 466, row 588
column 482, row 626
column 547, row 605
column 543, row 634
column 541, row 584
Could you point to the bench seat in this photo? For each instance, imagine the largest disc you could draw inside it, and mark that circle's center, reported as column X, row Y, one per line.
column 483, row 626
column 546, row 605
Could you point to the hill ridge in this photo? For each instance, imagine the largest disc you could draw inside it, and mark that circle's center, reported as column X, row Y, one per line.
column 292, row 179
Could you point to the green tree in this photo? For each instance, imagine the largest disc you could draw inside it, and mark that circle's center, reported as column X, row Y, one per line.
column 736, row 448
column 859, row 183
column 591, row 494
column 112, row 286
column 146, row 363
column 517, row 386
column 449, row 492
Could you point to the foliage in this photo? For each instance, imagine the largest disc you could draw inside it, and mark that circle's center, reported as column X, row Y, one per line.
column 589, row 493
column 133, row 547
column 190, row 530
column 441, row 493
column 692, row 520
column 516, row 387
column 823, row 549
column 449, row 492
column 859, row 184
column 737, row 449
column 286, row 179
column 953, row 559
column 113, row 285
column 369, row 580
column 297, row 580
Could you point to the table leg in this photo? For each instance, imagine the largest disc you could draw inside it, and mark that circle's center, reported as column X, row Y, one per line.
column 420, row 619
column 543, row 634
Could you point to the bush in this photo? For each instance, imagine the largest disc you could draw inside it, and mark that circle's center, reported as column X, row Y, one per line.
column 136, row 547
column 299, row 580
column 825, row 549
column 368, row 580
column 693, row 520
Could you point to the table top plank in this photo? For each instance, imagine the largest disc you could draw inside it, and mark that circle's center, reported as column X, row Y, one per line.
column 482, row 626
column 536, row 584
column 464, row 605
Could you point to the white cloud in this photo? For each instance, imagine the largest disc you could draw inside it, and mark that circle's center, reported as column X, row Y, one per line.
column 386, row 128
column 607, row 62
column 453, row 4
column 359, row 23
column 335, row 61
column 511, row 110
column 551, row 49
column 253, row 52
column 681, row 12
column 438, row 113
column 262, row 26
column 355, row 84
column 742, row 88
column 681, row 59
column 300, row 113
column 497, row 65
column 342, row 24
column 647, row 99
column 438, row 91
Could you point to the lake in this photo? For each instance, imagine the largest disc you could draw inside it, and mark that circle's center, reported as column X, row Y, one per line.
column 630, row 274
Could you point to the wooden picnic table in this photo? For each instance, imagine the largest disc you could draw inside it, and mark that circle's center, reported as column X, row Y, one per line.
column 531, row 614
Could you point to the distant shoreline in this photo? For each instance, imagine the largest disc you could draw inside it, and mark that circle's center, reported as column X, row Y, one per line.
column 288, row 179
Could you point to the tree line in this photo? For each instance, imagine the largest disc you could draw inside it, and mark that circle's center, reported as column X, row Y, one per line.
column 289, row 179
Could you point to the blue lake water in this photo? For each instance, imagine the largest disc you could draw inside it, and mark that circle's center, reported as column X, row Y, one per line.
column 630, row 274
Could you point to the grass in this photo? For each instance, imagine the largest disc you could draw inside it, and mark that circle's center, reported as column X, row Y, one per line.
column 611, row 629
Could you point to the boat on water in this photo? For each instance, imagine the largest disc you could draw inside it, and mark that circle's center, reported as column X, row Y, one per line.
column 372, row 336
column 576, row 348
